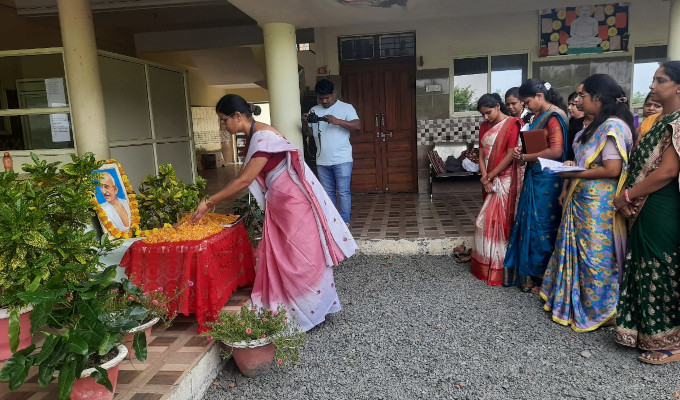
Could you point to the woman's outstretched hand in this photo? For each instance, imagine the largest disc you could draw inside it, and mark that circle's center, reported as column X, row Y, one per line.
column 200, row 212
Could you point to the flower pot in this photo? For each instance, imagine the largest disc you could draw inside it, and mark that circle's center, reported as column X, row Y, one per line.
column 130, row 335
column 253, row 358
column 24, row 335
column 86, row 387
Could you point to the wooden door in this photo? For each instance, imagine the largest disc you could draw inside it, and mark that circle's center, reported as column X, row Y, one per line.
column 384, row 151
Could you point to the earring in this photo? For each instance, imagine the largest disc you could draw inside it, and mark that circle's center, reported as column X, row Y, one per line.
column 677, row 91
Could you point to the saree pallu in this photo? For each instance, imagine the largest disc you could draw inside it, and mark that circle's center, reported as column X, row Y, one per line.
column 581, row 283
column 649, row 300
column 303, row 237
column 494, row 222
column 537, row 218
column 649, row 305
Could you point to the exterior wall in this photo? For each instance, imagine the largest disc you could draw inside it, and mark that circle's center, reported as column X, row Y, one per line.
column 440, row 40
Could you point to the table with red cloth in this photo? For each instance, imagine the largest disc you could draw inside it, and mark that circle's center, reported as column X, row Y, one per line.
column 217, row 266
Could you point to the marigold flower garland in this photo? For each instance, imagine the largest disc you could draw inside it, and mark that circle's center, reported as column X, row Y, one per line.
column 132, row 201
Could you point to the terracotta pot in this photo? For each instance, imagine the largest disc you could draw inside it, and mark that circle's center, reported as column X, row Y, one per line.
column 130, row 335
column 253, row 358
column 24, row 335
column 87, row 388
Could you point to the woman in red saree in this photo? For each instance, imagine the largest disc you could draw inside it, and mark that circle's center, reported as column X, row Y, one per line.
column 502, row 182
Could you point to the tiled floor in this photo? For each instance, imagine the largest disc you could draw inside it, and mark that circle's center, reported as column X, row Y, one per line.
column 449, row 212
column 172, row 353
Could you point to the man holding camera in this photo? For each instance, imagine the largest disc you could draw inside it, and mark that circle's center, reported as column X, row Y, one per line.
column 330, row 123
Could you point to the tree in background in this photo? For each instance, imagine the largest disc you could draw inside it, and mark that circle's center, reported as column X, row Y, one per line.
column 462, row 98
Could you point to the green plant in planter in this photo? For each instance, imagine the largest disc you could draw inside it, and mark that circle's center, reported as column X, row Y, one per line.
column 88, row 333
column 127, row 301
column 253, row 216
column 263, row 325
column 162, row 197
column 44, row 219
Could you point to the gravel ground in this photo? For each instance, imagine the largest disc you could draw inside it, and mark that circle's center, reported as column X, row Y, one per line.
column 423, row 327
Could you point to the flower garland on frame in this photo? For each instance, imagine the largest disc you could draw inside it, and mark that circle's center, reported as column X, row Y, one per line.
column 106, row 223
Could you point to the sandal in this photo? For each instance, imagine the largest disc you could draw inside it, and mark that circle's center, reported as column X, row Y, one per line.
column 646, row 357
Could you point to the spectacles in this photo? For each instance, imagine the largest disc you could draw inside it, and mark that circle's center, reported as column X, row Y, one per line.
column 582, row 95
column 223, row 121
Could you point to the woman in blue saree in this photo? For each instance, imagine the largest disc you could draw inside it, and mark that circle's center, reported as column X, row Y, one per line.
column 581, row 283
column 538, row 211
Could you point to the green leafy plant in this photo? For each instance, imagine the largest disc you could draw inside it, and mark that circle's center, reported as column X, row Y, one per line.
column 253, row 216
column 162, row 197
column 44, row 239
column 264, row 325
column 87, row 334
column 156, row 302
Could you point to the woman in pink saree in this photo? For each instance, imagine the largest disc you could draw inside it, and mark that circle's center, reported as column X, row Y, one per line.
column 502, row 181
column 303, row 235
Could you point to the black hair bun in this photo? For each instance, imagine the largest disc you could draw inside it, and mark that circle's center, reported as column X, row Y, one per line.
column 255, row 109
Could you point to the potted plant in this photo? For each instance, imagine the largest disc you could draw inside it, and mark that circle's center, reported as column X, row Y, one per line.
column 255, row 337
column 162, row 197
column 87, row 338
column 146, row 308
column 44, row 238
column 252, row 215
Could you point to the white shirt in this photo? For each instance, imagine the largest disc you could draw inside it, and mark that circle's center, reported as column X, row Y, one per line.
column 334, row 147
column 113, row 215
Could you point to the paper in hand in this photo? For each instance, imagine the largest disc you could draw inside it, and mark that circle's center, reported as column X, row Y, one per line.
column 555, row 167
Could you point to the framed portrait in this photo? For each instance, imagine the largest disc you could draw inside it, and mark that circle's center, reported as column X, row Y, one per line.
column 115, row 201
column 585, row 29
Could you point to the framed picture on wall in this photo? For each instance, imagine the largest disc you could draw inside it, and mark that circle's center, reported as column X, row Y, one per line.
column 115, row 202
column 585, row 29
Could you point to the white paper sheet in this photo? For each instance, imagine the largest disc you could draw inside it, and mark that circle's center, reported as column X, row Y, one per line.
column 555, row 167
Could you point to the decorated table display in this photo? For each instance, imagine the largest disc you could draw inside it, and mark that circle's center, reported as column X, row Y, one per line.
column 217, row 264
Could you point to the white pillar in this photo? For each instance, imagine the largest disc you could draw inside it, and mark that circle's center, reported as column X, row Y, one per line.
column 83, row 79
column 674, row 31
column 282, row 80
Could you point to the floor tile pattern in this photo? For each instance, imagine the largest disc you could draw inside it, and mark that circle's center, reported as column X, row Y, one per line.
column 449, row 211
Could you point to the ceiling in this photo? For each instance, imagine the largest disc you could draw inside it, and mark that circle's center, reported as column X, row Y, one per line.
column 327, row 13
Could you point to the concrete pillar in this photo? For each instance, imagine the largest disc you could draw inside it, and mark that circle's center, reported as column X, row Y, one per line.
column 282, row 80
column 83, row 79
column 674, row 31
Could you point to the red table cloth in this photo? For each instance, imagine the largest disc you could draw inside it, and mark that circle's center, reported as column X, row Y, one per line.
column 217, row 265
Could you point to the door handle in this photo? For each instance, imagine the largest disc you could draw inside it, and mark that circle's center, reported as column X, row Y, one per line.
column 377, row 127
column 386, row 134
column 382, row 116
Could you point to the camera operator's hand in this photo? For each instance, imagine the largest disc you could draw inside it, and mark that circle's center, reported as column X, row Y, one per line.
column 331, row 119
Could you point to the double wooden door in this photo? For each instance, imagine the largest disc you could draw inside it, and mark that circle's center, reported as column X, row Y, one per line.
column 384, row 151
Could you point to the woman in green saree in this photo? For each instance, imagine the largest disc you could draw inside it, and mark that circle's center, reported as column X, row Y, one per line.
column 649, row 298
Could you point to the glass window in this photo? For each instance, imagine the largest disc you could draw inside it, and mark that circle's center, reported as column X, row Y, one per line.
column 473, row 77
column 470, row 81
column 647, row 60
column 508, row 71
column 34, row 82
column 356, row 48
column 397, row 45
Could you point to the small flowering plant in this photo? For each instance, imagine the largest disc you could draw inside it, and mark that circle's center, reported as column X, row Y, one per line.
column 254, row 327
column 144, row 305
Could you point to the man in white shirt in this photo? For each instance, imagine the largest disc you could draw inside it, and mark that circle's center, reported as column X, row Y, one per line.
column 334, row 151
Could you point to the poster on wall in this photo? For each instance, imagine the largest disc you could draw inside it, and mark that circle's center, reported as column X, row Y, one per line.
column 585, row 29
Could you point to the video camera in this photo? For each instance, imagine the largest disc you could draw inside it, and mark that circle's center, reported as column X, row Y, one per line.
column 312, row 118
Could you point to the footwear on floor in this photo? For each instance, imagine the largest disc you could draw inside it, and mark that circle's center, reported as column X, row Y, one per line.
column 646, row 357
